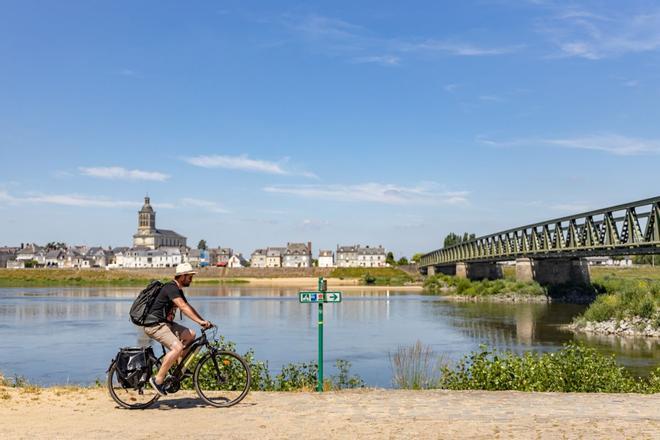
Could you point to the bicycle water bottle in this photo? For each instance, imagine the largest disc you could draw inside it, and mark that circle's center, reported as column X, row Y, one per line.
column 188, row 361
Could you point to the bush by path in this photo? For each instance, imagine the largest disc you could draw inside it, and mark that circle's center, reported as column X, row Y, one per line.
column 574, row 368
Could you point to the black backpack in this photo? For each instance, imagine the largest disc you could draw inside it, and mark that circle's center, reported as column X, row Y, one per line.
column 142, row 305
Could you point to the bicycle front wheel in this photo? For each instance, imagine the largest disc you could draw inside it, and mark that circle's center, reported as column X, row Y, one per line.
column 222, row 378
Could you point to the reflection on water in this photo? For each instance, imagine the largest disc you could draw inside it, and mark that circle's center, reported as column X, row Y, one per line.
column 58, row 335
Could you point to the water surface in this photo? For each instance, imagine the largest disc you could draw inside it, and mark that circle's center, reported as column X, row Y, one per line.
column 69, row 335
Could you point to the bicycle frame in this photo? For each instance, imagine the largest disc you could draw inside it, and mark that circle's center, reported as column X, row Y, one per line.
column 191, row 351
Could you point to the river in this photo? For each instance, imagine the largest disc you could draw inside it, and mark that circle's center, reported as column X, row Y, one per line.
column 69, row 335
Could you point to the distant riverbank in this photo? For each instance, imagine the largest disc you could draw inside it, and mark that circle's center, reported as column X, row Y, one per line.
column 281, row 277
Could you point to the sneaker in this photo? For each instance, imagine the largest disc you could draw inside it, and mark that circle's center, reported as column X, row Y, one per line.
column 160, row 389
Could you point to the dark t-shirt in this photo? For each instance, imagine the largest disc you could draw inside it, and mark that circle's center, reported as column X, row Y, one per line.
column 163, row 307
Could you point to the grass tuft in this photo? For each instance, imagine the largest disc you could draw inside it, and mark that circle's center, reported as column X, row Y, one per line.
column 415, row 367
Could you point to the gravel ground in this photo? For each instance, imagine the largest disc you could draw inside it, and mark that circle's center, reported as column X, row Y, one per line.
column 369, row 414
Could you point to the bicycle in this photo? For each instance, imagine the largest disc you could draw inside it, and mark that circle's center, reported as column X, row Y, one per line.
column 221, row 378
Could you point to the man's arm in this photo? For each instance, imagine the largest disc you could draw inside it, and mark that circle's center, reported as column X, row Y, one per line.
column 190, row 312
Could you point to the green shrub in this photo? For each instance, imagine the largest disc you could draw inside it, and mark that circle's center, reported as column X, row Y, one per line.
column 625, row 299
column 293, row 376
column 465, row 287
column 368, row 279
column 296, row 376
column 343, row 379
column 575, row 368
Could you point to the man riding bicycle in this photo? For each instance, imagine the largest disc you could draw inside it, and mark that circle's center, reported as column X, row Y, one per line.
column 173, row 335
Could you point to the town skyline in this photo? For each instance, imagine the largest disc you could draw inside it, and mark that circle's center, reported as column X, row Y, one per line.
column 255, row 124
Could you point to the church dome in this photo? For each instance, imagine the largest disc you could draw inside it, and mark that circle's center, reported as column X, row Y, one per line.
column 147, row 206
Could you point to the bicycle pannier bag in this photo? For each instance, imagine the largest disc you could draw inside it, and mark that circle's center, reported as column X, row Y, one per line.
column 142, row 305
column 134, row 366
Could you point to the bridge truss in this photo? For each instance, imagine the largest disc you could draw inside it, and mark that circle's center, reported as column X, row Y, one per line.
column 628, row 229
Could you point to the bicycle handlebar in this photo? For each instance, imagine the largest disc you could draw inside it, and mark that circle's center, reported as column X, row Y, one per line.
column 212, row 327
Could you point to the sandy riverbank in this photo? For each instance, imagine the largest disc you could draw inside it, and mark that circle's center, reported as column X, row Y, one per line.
column 370, row 414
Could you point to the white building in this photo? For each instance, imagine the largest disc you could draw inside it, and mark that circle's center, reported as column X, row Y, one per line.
column 297, row 255
column 274, row 256
column 371, row 257
column 359, row 256
column 99, row 257
column 149, row 258
column 347, row 256
column 258, row 258
column 236, row 260
column 32, row 252
column 326, row 259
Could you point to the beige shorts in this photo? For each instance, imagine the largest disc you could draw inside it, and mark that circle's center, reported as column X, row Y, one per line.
column 166, row 333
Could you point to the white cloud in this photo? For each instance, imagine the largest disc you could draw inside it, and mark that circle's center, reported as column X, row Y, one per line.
column 76, row 200
column 338, row 38
column 593, row 36
column 459, row 48
column 572, row 208
column 318, row 26
column 608, row 143
column 120, row 173
column 61, row 174
column 428, row 193
column 244, row 163
column 451, row 87
column 309, row 224
column 204, row 204
column 385, row 60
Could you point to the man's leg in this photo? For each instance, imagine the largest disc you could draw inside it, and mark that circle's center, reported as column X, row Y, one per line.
column 185, row 335
column 163, row 334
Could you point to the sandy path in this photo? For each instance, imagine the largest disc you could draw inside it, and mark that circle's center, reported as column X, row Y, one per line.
column 54, row 413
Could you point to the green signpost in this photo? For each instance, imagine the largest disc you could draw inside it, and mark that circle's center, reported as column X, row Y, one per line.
column 320, row 297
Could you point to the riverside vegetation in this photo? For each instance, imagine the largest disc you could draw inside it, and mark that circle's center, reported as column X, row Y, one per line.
column 445, row 284
column 43, row 277
column 86, row 278
column 374, row 276
column 574, row 368
column 301, row 376
column 624, row 305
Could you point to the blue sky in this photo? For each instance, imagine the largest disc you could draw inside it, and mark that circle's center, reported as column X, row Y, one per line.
column 256, row 123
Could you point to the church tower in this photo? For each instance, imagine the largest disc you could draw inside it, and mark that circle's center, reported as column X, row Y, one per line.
column 148, row 237
column 146, row 218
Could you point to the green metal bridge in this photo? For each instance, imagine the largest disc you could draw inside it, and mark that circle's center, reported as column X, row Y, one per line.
column 627, row 229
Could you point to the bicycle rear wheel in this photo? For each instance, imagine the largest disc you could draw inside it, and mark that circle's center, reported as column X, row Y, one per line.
column 222, row 378
column 127, row 397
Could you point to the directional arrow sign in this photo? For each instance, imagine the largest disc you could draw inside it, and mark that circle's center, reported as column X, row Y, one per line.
column 332, row 297
column 319, row 297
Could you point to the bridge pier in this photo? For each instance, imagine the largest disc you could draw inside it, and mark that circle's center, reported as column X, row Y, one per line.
column 446, row 270
column 430, row 271
column 478, row 271
column 553, row 271
column 461, row 270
